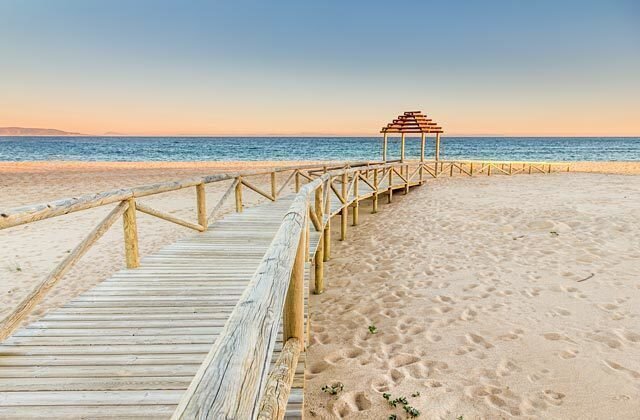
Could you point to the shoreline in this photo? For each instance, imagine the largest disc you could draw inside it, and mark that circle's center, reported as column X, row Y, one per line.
column 617, row 167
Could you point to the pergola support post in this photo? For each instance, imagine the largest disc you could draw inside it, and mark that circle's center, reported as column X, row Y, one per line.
column 437, row 146
column 384, row 148
column 402, row 147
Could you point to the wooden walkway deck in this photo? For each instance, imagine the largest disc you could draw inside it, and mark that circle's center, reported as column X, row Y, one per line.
column 129, row 347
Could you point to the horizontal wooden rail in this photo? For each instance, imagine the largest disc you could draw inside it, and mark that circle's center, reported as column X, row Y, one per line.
column 32, row 213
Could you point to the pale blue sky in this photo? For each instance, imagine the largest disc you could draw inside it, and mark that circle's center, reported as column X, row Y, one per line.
column 336, row 67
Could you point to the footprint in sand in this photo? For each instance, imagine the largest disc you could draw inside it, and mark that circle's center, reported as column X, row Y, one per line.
column 401, row 360
column 468, row 314
column 478, row 340
column 501, row 399
column 353, row 353
column 553, row 397
column 318, row 367
column 629, row 336
column 507, row 367
column 531, row 292
column 616, row 366
column 512, row 335
column 553, row 336
column 390, row 313
column 322, row 338
column 569, row 354
column 606, row 338
column 350, row 403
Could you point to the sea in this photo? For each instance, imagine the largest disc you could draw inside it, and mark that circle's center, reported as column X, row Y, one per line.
column 313, row 148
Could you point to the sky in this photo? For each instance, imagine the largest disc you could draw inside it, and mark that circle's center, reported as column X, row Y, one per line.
column 141, row 67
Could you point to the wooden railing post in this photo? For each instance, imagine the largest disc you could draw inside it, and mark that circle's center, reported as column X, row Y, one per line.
column 274, row 186
column 293, row 312
column 356, row 203
column 307, row 238
column 327, row 226
column 202, row 205
column 489, row 169
column 374, row 206
column 132, row 252
column 390, row 196
column 297, row 176
column 239, row 195
column 406, row 176
column 471, row 169
column 319, row 256
column 344, row 214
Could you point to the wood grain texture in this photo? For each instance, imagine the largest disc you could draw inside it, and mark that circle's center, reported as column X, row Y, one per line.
column 276, row 395
column 130, row 225
column 201, row 202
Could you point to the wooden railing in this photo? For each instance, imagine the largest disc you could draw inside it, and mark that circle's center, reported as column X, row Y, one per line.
column 478, row 167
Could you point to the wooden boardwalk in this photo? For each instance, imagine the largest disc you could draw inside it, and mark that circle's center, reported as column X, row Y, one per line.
column 130, row 346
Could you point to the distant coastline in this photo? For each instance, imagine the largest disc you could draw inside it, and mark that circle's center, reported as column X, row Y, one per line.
column 35, row 132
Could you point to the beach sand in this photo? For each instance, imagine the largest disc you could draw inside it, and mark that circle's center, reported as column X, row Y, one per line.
column 492, row 297
column 478, row 306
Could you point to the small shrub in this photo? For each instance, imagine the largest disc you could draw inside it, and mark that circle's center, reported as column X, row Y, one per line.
column 333, row 389
column 411, row 411
column 373, row 329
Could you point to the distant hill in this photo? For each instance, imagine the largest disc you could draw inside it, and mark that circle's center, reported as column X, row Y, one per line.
column 24, row 131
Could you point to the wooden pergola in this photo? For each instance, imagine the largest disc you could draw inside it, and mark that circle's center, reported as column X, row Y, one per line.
column 412, row 122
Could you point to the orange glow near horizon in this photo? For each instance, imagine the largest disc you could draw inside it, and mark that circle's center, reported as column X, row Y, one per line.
column 287, row 120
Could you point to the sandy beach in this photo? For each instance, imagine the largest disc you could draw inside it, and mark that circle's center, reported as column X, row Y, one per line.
column 492, row 296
